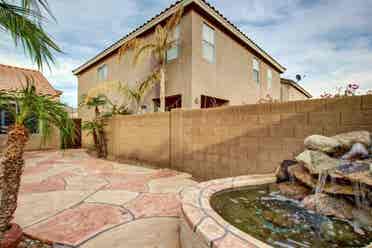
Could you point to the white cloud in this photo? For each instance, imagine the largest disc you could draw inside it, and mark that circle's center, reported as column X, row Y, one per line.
column 329, row 41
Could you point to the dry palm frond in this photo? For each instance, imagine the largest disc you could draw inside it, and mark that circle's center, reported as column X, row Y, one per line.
column 132, row 44
column 143, row 52
column 175, row 19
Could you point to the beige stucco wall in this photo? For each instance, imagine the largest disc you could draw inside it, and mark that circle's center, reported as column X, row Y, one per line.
column 178, row 70
column 36, row 142
column 178, row 74
column 289, row 93
column 231, row 76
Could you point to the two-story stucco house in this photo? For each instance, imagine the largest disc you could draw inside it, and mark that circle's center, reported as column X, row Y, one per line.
column 213, row 64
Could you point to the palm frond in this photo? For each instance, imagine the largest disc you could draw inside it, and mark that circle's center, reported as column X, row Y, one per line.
column 132, row 44
column 46, row 110
column 38, row 6
column 143, row 51
column 25, row 29
column 175, row 19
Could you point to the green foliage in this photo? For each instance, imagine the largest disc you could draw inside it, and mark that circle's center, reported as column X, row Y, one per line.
column 27, row 103
column 24, row 24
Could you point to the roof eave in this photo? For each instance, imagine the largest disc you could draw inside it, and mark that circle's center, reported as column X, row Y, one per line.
column 167, row 13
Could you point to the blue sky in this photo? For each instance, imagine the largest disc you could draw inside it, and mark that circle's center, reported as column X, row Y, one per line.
column 328, row 41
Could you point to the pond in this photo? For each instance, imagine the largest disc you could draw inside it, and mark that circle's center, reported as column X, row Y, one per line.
column 263, row 213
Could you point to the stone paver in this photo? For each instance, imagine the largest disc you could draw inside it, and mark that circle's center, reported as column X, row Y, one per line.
column 74, row 199
column 144, row 233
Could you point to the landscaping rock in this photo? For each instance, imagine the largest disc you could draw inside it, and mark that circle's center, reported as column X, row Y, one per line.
column 317, row 162
column 301, row 174
column 322, row 143
column 278, row 219
column 294, row 190
column 357, row 151
column 363, row 217
column 348, row 139
column 329, row 206
column 281, row 172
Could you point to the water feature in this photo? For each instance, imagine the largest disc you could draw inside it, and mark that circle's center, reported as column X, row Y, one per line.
column 262, row 212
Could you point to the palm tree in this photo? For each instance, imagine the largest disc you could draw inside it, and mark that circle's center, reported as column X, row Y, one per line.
column 24, row 24
column 138, row 93
column 97, row 124
column 23, row 105
column 157, row 48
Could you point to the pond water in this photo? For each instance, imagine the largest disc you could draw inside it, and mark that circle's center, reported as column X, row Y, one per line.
column 280, row 222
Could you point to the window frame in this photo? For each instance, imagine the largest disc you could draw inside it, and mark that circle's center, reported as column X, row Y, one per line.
column 258, row 81
column 210, row 44
column 176, row 46
column 105, row 73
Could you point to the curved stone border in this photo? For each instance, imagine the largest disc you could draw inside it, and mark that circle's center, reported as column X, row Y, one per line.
column 202, row 227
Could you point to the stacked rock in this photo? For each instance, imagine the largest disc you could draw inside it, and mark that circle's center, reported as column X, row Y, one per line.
column 334, row 172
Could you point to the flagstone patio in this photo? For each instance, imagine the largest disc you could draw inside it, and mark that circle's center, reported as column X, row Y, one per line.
column 74, row 199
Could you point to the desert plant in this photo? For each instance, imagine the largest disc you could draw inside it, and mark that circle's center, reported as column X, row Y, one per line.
column 138, row 93
column 95, row 127
column 23, row 22
column 157, row 49
column 24, row 104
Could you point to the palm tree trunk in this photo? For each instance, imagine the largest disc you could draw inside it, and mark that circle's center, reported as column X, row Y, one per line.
column 162, row 88
column 95, row 140
column 103, row 143
column 12, row 168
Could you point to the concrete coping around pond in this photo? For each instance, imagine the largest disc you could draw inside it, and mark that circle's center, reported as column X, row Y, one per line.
column 204, row 226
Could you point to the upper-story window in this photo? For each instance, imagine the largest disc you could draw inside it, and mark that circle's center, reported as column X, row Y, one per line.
column 173, row 52
column 102, row 72
column 208, row 43
column 269, row 79
column 256, row 70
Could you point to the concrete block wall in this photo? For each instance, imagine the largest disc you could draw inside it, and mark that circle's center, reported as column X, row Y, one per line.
column 144, row 138
column 237, row 140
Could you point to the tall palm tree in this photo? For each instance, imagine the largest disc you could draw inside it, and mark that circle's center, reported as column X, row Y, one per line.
column 23, row 105
column 23, row 22
column 157, row 48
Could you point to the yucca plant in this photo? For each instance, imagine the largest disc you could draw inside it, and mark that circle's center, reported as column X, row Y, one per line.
column 157, row 48
column 24, row 104
column 23, row 21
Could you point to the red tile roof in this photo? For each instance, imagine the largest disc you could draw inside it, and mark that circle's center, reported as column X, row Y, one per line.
column 14, row 78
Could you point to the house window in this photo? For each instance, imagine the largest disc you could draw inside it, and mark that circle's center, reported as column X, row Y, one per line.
column 102, row 72
column 173, row 52
column 269, row 79
column 208, row 43
column 256, row 71
column 6, row 119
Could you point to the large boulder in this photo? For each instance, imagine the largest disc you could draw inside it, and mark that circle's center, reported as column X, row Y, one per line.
column 329, row 206
column 348, row 139
column 322, row 143
column 317, row 162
